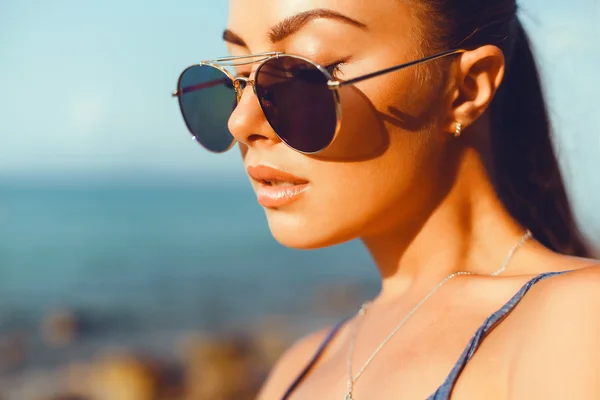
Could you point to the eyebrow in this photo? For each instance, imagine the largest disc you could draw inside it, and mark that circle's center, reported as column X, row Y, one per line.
column 293, row 24
column 233, row 38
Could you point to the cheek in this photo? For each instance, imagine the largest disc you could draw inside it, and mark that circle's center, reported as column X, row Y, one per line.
column 382, row 110
column 385, row 162
column 411, row 102
column 350, row 200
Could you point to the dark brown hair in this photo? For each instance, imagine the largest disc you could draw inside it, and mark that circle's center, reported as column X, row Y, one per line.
column 525, row 168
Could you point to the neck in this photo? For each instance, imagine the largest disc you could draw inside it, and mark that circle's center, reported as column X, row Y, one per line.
column 469, row 230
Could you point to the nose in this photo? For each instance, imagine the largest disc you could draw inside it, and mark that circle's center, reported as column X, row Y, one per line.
column 247, row 122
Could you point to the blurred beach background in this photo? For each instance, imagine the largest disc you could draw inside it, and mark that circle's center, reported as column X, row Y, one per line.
column 135, row 265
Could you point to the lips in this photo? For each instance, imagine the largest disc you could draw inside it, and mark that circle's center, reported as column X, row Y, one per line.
column 265, row 174
column 276, row 188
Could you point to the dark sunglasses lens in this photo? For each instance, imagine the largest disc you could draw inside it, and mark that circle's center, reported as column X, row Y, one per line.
column 207, row 99
column 297, row 103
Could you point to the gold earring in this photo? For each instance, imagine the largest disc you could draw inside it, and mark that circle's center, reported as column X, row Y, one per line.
column 458, row 129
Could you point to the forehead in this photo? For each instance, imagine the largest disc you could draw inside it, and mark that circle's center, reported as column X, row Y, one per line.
column 252, row 19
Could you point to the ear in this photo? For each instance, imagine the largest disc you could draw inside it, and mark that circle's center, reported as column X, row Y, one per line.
column 478, row 76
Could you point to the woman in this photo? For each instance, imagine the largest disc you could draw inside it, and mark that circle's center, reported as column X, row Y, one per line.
column 439, row 159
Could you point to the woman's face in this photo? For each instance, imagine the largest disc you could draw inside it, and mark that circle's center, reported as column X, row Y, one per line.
column 387, row 167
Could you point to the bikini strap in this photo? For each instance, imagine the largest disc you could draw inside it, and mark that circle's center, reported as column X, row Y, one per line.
column 445, row 390
column 330, row 336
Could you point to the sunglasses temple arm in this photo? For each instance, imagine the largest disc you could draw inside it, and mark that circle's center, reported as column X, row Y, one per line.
column 200, row 86
column 398, row 67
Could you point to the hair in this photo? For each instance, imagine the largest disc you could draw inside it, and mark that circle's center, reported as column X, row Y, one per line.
column 525, row 169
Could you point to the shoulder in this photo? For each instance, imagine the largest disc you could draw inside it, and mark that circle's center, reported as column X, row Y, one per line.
column 577, row 289
column 558, row 354
column 563, row 303
column 291, row 364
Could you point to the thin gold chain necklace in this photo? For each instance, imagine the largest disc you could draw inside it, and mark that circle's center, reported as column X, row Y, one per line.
column 352, row 380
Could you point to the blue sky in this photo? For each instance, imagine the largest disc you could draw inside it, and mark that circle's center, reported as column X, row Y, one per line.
column 86, row 86
column 89, row 84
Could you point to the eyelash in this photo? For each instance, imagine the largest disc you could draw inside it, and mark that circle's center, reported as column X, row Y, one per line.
column 335, row 68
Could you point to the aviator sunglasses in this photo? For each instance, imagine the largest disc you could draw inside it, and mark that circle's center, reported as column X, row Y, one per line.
column 299, row 98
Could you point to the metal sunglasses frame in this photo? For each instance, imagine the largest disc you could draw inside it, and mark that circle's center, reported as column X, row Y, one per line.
column 334, row 84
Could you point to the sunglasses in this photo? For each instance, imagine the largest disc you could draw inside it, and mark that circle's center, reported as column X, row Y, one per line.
column 299, row 98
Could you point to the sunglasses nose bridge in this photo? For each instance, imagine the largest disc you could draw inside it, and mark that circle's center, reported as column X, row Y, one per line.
column 240, row 83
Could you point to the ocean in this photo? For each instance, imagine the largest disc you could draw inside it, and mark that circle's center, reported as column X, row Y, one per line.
column 142, row 260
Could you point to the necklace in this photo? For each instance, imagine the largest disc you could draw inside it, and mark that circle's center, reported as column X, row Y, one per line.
column 352, row 379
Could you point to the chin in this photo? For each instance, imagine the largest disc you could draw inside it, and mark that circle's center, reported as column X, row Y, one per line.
column 299, row 232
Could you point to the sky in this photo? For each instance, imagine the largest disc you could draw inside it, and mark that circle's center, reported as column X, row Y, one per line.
column 85, row 86
column 89, row 84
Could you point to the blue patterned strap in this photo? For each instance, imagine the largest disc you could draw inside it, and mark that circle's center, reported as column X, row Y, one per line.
column 444, row 391
column 315, row 358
